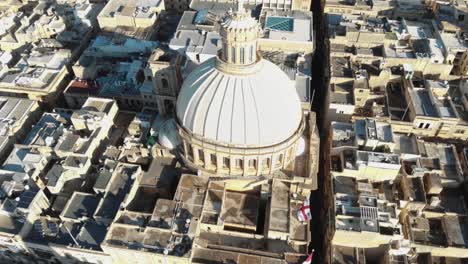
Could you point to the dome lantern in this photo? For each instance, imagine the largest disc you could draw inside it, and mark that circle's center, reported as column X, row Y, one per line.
column 239, row 33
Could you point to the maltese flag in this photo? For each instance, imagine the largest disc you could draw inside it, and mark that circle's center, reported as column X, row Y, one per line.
column 303, row 214
column 309, row 258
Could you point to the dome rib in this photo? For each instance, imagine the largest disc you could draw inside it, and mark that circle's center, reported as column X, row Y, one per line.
column 205, row 127
column 233, row 108
column 201, row 122
column 184, row 102
column 221, row 109
column 259, row 132
column 244, row 108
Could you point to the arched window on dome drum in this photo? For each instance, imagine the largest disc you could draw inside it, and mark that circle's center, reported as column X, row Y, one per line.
column 242, row 55
column 253, row 164
column 213, row 159
column 239, row 164
column 279, row 161
column 233, row 54
column 226, row 163
column 266, row 163
column 251, row 53
column 224, row 51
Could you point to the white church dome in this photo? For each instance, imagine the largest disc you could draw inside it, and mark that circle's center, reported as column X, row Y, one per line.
column 259, row 107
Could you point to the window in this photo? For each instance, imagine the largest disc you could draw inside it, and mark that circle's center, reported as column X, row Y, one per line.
column 225, row 51
column 239, row 164
column 427, row 126
column 280, row 160
column 241, row 55
column 190, row 152
column 252, row 52
column 201, row 156
column 226, row 163
column 267, row 163
column 233, row 54
column 213, row 159
column 253, row 164
column 460, row 131
column 165, row 83
column 421, row 125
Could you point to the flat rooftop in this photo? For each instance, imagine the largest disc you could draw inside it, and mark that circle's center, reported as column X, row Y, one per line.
column 405, row 144
column 423, row 103
column 137, row 8
column 80, row 205
column 240, row 209
column 343, row 134
column 295, row 26
column 370, row 129
column 340, row 67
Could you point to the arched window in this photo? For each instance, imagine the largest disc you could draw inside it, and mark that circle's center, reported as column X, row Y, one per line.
column 239, row 164
column 279, row 162
column 241, row 55
column 251, row 53
column 201, row 156
column 226, row 163
column 165, row 83
column 233, row 54
column 253, row 164
column 213, row 159
column 225, row 50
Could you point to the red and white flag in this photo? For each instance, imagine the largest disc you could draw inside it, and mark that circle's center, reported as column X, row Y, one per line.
column 309, row 258
column 303, row 214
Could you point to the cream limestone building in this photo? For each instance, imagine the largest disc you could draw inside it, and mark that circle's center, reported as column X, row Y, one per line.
column 238, row 114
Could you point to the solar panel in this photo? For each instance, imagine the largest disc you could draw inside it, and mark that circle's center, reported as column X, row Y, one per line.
column 280, row 23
